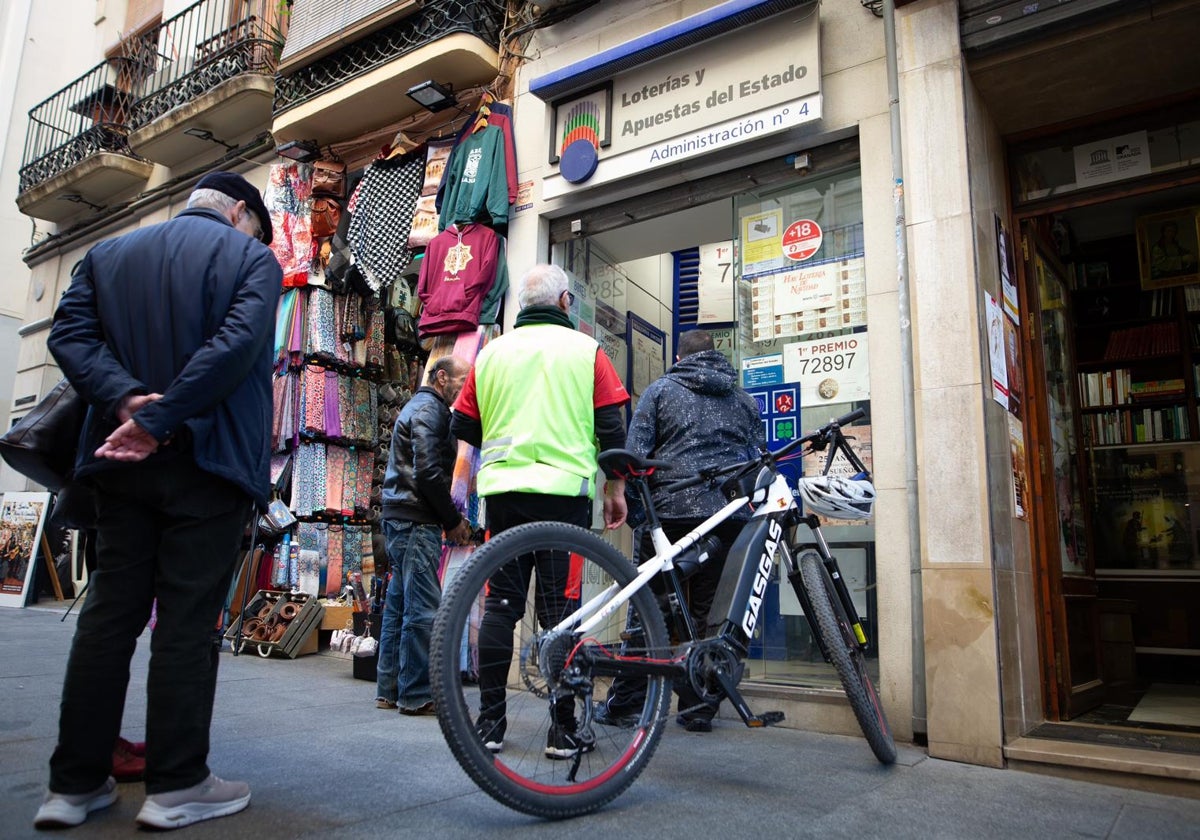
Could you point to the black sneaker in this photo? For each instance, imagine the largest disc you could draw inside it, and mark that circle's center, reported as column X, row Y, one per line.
column 491, row 734
column 603, row 715
column 695, row 724
column 562, row 744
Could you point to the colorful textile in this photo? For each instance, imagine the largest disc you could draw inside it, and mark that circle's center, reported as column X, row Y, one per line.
column 288, row 198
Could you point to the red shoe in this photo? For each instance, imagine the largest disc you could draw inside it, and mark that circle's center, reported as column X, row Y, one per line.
column 129, row 763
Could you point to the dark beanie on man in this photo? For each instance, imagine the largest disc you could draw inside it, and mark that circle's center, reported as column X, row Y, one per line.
column 239, row 189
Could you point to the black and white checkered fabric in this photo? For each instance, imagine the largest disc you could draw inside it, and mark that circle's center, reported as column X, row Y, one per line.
column 383, row 217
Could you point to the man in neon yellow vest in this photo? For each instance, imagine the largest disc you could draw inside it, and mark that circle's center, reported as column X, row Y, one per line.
column 536, row 403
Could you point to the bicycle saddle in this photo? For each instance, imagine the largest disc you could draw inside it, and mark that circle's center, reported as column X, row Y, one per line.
column 625, row 464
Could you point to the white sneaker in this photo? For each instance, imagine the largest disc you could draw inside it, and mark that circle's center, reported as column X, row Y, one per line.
column 62, row 810
column 212, row 798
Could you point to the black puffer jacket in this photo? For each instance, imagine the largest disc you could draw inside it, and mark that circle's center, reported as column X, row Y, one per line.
column 416, row 487
column 695, row 416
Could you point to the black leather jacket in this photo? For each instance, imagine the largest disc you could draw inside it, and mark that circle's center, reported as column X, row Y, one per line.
column 416, row 487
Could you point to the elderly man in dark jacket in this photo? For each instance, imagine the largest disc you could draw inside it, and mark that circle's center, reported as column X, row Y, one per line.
column 695, row 417
column 417, row 508
column 166, row 333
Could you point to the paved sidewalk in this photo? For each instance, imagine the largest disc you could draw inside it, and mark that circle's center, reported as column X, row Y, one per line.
column 323, row 761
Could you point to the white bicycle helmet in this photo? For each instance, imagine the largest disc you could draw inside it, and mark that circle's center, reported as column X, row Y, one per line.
column 837, row 497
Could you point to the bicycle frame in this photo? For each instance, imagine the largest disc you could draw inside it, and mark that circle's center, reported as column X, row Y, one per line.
column 748, row 568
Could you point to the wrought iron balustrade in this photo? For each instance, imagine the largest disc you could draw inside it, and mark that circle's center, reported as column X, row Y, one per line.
column 88, row 116
column 189, row 54
column 435, row 19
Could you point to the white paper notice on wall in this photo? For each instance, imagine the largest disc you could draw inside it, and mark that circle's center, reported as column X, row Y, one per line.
column 715, row 283
column 1112, row 159
column 995, row 322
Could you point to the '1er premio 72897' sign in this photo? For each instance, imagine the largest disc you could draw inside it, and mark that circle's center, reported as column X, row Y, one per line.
column 829, row 370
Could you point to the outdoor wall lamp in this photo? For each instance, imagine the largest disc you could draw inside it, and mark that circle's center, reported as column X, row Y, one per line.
column 432, row 96
column 301, row 151
column 76, row 198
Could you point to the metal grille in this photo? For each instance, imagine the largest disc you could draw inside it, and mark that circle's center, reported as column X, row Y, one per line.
column 206, row 44
column 86, row 117
column 482, row 18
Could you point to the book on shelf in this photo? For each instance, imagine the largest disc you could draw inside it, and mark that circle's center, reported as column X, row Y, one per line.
column 1191, row 298
column 1138, row 342
column 1138, row 425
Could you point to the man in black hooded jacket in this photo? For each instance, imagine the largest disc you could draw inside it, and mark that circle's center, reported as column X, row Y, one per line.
column 695, row 417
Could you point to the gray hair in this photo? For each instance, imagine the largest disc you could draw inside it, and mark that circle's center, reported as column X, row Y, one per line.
column 542, row 285
column 212, row 199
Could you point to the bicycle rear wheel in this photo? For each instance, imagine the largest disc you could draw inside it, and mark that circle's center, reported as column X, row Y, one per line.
column 592, row 767
column 831, row 622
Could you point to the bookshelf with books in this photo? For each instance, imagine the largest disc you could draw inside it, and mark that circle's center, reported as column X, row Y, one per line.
column 1137, row 352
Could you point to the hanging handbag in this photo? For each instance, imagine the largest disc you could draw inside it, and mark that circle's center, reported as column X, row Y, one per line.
column 42, row 444
column 326, row 213
column 329, row 178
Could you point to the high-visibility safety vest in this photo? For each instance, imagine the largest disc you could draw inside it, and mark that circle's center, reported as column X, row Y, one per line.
column 534, row 387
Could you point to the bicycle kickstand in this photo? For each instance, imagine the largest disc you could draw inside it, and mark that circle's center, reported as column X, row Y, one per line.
column 735, row 697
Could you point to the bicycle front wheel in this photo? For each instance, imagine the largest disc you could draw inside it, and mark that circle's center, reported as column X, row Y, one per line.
column 521, row 733
column 831, row 622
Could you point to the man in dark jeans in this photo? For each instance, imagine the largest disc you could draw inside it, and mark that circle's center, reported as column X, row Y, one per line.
column 536, row 403
column 166, row 332
column 417, row 508
column 695, row 417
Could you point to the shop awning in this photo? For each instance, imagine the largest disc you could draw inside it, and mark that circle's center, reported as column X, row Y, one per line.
column 664, row 41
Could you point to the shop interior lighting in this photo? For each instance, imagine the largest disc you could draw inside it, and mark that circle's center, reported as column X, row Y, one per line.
column 432, row 96
column 301, row 151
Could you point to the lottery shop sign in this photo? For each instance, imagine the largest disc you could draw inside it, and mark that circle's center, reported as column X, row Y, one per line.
column 829, row 370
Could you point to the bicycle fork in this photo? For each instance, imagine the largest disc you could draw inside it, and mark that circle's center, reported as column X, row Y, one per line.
column 792, row 567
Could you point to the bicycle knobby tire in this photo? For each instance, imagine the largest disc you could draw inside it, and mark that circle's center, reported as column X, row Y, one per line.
column 831, row 622
column 523, row 774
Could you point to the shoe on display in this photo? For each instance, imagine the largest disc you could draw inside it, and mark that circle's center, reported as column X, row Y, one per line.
column 563, row 744
column 63, row 810
column 423, row 709
column 491, row 733
column 212, row 798
column 605, row 716
column 384, row 703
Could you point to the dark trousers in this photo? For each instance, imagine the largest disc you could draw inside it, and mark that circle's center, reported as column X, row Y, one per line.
column 507, row 588
column 166, row 530
column 627, row 695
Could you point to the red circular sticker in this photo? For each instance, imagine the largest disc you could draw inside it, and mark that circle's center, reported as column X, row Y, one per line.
column 802, row 239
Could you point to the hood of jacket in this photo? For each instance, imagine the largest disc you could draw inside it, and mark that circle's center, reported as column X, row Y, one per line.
column 707, row 372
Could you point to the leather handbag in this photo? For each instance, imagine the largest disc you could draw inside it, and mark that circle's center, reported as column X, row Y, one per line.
column 329, row 178
column 42, row 444
column 326, row 213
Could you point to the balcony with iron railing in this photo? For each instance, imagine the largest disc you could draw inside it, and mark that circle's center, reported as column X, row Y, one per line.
column 205, row 78
column 77, row 153
column 352, row 80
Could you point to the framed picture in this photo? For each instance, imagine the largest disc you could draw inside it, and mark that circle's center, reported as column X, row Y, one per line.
column 1168, row 247
column 22, row 516
column 582, row 116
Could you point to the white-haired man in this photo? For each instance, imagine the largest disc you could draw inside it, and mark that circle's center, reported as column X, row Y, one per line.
column 536, row 403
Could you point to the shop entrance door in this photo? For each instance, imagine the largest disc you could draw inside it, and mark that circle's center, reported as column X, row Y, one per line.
column 1064, row 561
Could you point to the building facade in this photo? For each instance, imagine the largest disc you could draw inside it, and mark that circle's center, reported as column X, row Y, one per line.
column 945, row 223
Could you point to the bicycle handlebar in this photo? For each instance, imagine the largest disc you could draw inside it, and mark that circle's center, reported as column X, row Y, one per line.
column 818, row 434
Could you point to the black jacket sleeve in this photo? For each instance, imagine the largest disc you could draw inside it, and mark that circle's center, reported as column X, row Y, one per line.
column 466, row 428
column 428, row 439
column 610, row 427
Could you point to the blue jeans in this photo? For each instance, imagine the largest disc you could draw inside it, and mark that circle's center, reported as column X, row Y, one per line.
column 414, row 552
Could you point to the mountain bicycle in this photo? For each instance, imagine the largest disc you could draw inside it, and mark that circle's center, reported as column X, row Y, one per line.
column 609, row 623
